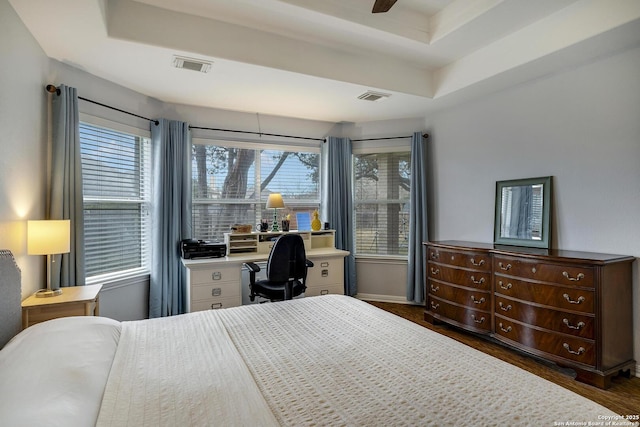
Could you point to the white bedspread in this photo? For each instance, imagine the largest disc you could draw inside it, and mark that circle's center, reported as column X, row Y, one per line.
column 329, row 360
column 180, row 371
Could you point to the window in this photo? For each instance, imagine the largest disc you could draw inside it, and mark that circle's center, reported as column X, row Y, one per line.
column 116, row 195
column 231, row 184
column 381, row 200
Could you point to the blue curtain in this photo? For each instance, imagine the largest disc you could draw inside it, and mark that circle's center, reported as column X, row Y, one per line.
column 418, row 230
column 171, row 219
column 337, row 203
column 66, row 186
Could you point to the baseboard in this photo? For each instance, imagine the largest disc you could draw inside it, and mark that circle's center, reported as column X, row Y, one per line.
column 385, row 298
column 638, row 370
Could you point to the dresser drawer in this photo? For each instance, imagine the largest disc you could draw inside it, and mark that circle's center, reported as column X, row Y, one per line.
column 214, row 290
column 471, row 298
column 554, row 273
column 473, row 260
column 326, row 271
column 215, row 303
column 553, row 344
column 579, row 325
column 573, row 299
column 215, row 275
column 479, row 321
column 472, row 279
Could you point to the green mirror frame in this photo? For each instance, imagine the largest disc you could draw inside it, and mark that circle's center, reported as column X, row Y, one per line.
column 522, row 212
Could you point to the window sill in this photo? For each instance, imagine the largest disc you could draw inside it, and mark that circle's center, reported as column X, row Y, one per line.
column 383, row 259
column 110, row 281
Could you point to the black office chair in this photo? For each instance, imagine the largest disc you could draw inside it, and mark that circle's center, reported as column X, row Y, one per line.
column 286, row 271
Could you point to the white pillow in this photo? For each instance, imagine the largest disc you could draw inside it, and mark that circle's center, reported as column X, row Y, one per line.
column 54, row 373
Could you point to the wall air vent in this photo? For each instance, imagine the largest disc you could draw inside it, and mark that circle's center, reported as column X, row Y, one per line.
column 191, row 64
column 373, row 96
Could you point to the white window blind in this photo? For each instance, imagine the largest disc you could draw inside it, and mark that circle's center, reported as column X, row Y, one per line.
column 381, row 199
column 231, row 185
column 116, row 193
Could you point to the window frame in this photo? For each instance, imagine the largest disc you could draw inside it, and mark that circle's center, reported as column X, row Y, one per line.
column 260, row 201
column 375, row 147
column 146, row 205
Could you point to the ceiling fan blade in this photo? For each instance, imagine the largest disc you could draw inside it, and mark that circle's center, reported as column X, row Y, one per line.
column 381, row 6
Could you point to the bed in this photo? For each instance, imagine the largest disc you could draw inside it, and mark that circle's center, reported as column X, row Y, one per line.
column 326, row 360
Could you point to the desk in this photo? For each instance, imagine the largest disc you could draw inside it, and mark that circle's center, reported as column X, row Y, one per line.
column 217, row 282
column 74, row 301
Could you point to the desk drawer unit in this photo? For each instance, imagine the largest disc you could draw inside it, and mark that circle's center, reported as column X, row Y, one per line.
column 214, row 287
column 325, row 277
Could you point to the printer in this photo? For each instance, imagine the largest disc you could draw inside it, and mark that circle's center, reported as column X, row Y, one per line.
column 192, row 249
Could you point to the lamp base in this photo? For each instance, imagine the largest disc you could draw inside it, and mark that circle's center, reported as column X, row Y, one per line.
column 274, row 227
column 45, row 293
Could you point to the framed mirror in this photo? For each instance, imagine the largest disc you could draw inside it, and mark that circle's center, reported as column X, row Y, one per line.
column 522, row 212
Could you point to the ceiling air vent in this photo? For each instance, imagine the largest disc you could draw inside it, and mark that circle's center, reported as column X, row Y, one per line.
column 191, row 64
column 373, row 96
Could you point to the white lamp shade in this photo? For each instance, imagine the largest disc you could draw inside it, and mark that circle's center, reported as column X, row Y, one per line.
column 275, row 201
column 48, row 237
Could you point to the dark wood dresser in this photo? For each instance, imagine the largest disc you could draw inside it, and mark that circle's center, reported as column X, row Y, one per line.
column 573, row 308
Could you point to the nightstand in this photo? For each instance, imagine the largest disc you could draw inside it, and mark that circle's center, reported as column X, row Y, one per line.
column 74, row 301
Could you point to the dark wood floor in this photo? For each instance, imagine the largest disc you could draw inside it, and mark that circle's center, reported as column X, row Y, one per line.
column 623, row 397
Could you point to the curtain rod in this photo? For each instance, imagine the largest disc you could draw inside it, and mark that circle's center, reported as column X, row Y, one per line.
column 424, row 135
column 53, row 89
column 257, row 133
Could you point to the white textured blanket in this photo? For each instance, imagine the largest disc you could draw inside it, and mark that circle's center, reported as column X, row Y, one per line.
column 180, row 371
column 329, row 360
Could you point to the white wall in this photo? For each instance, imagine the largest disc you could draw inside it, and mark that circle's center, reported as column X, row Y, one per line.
column 23, row 142
column 581, row 126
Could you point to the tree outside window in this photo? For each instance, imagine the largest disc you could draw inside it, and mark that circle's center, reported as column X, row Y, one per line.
column 231, row 185
column 381, row 199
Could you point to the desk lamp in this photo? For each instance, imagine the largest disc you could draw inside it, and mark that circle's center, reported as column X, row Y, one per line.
column 275, row 202
column 48, row 237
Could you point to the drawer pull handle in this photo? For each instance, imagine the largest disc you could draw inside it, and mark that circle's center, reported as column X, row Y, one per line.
column 580, row 299
column 579, row 277
column 475, row 301
column 477, row 264
column 481, row 320
column 436, row 289
column 434, row 306
column 579, row 326
column 477, row 282
column 504, row 267
column 325, row 273
column 216, row 275
column 216, row 292
column 435, row 271
column 503, row 308
column 324, row 292
column 507, row 287
column 435, row 255
column 216, row 305
column 568, row 348
column 324, row 264
column 507, row 329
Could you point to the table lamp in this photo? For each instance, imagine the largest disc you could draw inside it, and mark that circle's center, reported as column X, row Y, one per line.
column 275, row 202
column 48, row 237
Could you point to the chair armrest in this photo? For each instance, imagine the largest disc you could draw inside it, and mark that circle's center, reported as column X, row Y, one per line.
column 308, row 263
column 252, row 267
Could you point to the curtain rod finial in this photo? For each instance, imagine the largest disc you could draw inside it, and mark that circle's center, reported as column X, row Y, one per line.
column 52, row 89
column 425, row 135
